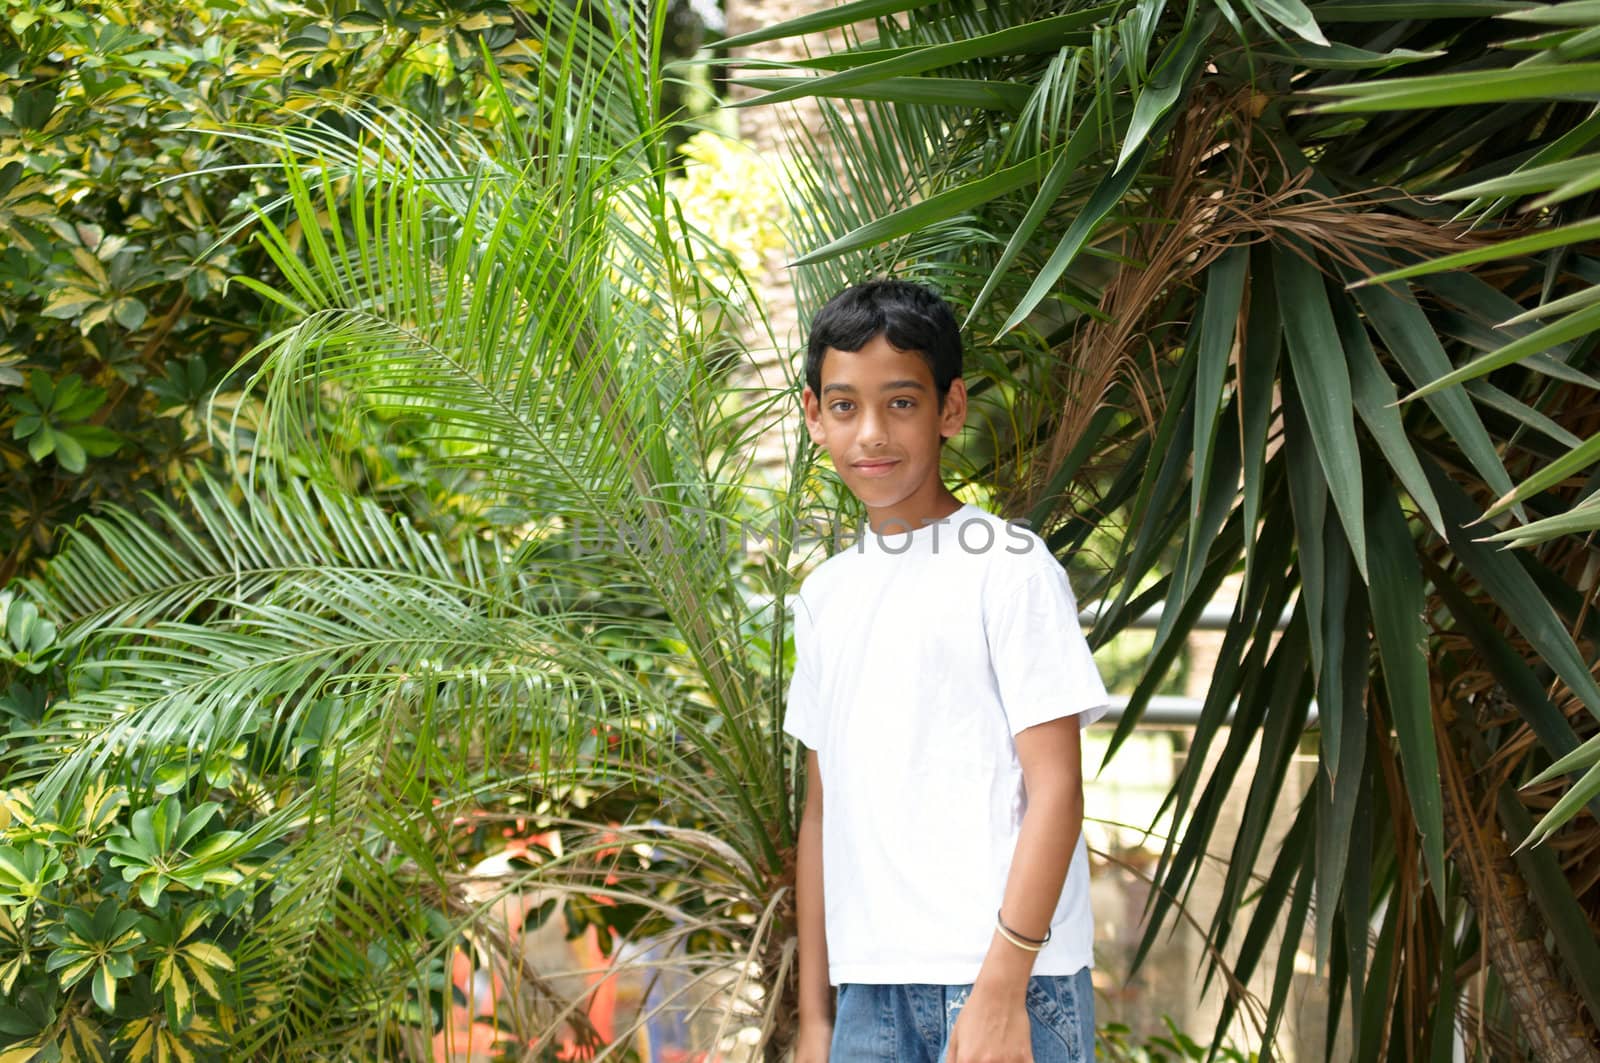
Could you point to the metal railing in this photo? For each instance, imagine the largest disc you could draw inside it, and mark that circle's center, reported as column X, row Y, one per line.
column 1167, row 710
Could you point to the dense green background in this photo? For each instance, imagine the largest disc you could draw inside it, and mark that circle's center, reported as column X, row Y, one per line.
column 325, row 329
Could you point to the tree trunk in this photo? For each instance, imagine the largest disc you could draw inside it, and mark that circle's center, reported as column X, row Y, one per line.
column 1548, row 1014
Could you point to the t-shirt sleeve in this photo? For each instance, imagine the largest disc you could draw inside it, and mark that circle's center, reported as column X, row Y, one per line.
column 1041, row 660
column 802, row 716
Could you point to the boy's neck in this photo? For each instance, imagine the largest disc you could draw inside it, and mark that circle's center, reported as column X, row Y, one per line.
column 912, row 513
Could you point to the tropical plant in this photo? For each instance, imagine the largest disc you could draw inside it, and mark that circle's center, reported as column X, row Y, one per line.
column 1223, row 302
column 118, row 318
column 117, row 928
column 1115, row 1042
column 600, row 657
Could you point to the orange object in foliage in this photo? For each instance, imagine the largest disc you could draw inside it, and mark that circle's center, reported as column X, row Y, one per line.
column 602, row 999
column 464, row 1038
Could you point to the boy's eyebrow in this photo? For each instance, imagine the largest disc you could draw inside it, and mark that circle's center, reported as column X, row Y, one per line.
column 891, row 385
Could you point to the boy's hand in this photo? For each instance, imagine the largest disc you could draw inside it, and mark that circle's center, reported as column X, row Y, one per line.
column 812, row 1044
column 991, row 1029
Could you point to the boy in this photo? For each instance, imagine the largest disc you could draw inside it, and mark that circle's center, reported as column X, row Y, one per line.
column 940, row 683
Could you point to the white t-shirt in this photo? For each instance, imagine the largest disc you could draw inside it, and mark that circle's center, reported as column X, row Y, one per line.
column 919, row 655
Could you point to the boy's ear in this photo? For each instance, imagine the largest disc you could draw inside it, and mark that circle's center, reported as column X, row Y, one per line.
column 813, row 411
column 954, row 412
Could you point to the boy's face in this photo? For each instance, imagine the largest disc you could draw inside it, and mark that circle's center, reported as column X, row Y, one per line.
column 879, row 419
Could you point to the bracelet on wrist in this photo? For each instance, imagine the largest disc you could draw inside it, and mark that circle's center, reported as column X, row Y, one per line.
column 1019, row 940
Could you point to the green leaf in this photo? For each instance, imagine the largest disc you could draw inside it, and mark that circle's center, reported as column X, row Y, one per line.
column 917, row 91
column 1342, row 701
column 1318, row 361
column 1582, row 792
column 1172, row 73
column 1374, row 395
column 1520, row 683
column 1565, row 146
column 1084, row 140
column 104, row 986
column 43, row 387
column 1509, row 584
column 42, row 444
column 95, row 440
column 855, row 56
column 1257, row 383
column 20, row 618
column 1343, row 56
column 1288, row 949
column 1572, row 81
column 208, row 955
column 1573, row 461
column 27, row 871
column 935, row 208
column 193, row 822
column 1308, row 504
column 180, row 998
column 129, row 312
column 1480, row 303
column 1244, row 648
column 1585, row 756
column 1267, row 918
column 1571, row 189
column 33, row 106
column 1580, row 519
column 1573, row 326
column 1213, row 346
column 1543, row 240
column 70, row 302
column 1570, row 13
column 1398, row 602
column 1045, row 35
column 173, row 778
column 1486, row 393
column 826, row 19
column 1202, row 530
column 74, row 401
column 215, row 845
column 1387, row 11
column 273, row 295
column 1293, row 16
column 1525, row 179
column 1410, row 337
column 1107, row 195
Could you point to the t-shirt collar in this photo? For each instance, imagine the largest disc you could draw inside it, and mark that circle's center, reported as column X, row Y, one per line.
column 900, row 542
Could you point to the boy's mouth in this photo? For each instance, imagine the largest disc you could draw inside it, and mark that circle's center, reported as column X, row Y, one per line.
column 876, row 468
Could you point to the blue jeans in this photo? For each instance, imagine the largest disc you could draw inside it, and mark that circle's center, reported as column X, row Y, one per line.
column 911, row 1023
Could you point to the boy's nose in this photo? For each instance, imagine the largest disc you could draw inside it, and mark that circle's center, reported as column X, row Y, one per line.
column 873, row 429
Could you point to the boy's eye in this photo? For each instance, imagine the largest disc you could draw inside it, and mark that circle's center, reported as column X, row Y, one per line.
column 908, row 402
column 840, row 406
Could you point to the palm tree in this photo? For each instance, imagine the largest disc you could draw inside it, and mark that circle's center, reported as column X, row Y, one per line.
column 1274, row 319
column 523, row 307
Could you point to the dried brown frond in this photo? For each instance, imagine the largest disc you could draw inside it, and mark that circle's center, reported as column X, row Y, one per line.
column 1216, row 190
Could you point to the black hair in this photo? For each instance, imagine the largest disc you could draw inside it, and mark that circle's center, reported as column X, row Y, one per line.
column 910, row 316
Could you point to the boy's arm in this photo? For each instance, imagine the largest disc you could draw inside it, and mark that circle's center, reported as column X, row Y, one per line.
column 1050, row 754
column 816, row 994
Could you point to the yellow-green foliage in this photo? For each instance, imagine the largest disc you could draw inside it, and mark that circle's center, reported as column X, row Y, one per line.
column 733, row 196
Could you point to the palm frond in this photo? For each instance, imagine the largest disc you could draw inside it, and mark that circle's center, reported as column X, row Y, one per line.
column 1193, row 400
column 529, row 311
